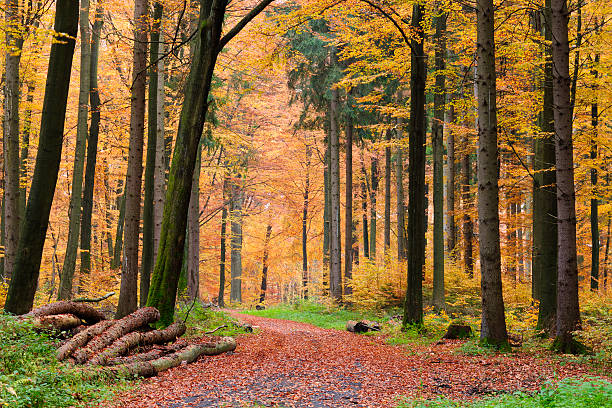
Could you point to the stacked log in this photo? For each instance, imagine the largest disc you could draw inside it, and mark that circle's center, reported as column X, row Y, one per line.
column 111, row 343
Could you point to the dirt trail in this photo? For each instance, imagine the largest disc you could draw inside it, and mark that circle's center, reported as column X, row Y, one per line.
column 289, row 364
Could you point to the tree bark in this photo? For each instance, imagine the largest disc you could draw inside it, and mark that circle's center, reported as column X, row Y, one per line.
column 451, row 226
column 116, row 262
column 12, row 215
column 76, row 196
column 387, row 227
column 568, row 312
column 437, row 132
column 493, row 327
column 34, row 229
column 92, row 145
column 305, row 224
column 128, row 295
column 364, row 208
column 595, row 248
column 399, row 190
column 264, row 261
column 27, row 130
column 326, row 213
column 159, row 180
column 82, row 311
column 373, row 216
column 82, row 338
column 413, row 305
column 236, row 202
column 193, row 220
column 348, row 214
column 148, row 221
column 545, row 247
column 335, row 261
column 221, row 298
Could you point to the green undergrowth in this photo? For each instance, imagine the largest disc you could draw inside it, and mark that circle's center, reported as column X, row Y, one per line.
column 31, row 376
column 568, row 393
column 201, row 320
column 317, row 314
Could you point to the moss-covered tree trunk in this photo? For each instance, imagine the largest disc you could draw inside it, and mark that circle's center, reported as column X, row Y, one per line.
column 34, row 229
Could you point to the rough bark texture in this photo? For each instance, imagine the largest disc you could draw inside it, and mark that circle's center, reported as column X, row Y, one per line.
column 189, row 354
column 128, row 295
column 59, row 322
column 159, row 189
column 568, row 313
column 127, row 324
column 437, row 133
column 348, row 215
column 92, row 145
column 83, row 311
column 545, row 249
column 147, row 356
column 467, row 206
column 493, row 327
column 335, row 261
column 264, row 261
column 11, row 159
column 76, row 195
column 138, row 339
column 148, row 220
column 413, row 304
column 82, row 338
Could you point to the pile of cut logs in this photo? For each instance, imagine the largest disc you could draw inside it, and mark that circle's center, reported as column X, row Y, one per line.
column 128, row 346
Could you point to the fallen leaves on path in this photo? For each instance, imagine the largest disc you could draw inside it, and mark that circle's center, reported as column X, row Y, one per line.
column 289, row 364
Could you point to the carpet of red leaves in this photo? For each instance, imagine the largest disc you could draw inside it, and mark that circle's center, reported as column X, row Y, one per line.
column 289, row 364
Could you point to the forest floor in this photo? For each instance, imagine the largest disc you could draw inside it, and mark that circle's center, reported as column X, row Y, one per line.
column 291, row 364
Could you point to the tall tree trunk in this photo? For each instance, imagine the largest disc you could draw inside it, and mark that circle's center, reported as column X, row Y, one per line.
column 34, row 229
column 92, row 146
column 467, row 204
column 451, row 238
column 437, row 132
column 193, row 225
column 326, row 213
column 221, row 297
column 12, row 215
column 373, row 216
column 305, row 224
column 399, row 189
column 335, row 260
column 493, row 327
column 128, row 295
column 117, row 252
column 606, row 254
column 148, row 221
column 236, row 202
column 348, row 224
column 413, row 304
column 159, row 180
column 264, row 271
column 387, row 227
column 76, row 196
column 545, row 247
column 594, row 201
column 568, row 312
column 364, row 208
column 25, row 147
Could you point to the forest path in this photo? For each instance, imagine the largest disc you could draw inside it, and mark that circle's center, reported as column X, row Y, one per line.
column 290, row 364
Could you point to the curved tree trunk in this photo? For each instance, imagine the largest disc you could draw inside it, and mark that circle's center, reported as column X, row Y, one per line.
column 34, row 229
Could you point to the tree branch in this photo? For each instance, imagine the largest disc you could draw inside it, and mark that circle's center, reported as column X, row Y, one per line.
column 242, row 23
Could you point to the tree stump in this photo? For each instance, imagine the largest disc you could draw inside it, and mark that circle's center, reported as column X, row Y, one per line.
column 458, row 331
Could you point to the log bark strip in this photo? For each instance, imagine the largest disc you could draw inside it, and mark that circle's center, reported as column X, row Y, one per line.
column 80, row 310
column 82, row 338
column 134, row 339
column 188, row 354
column 123, row 326
column 147, row 356
column 56, row 322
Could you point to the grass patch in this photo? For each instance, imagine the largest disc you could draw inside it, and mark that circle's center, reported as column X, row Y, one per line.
column 317, row 314
column 204, row 319
column 570, row 393
column 31, row 376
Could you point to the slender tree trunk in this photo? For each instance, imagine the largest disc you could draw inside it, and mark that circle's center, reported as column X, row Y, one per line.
column 326, row 214
column 193, row 225
column 107, row 213
column 27, row 264
column 399, row 189
column 128, row 295
column 468, row 225
column 437, row 132
column 606, row 254
column 348, row 225
column 116, row 263
column 493, row 327
column 92, row 146
column 364, row 208
column 264, row 271
column 236, row 202
column 413, row 304
column 568, row 312
column 335, row 260
column 387, row 227
column 594, row 201
column 545, row 247
column 159, row 180
column 305, row 225
column 373, row 216
column 148, row 221
column 451, row 238
column 25, row 147
column 221, row 297
column 12, row 215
